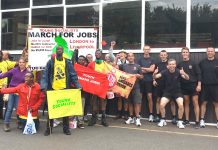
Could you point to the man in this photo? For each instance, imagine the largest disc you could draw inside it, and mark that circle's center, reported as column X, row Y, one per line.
column 59, row 74
column 4, row 67
column 147, row 65
column 89, row 57
column 159, row 86
column 209, row 74
column 30, row 99
column 98, row 65
column 135, row 98
column 191, row 87
column 172, row 91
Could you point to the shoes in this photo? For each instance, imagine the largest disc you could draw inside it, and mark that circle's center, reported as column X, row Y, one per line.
column 162, row 123
column 80, row 126
column 130, row 120
column 202, row 123
column 7, row 127
column 197, row 125
column 174, row 120
column 93, row 120
column 47, row 132
column 137, row 122
column 104, row 123
column 151, row 118
column 157, row 119
column 180, row 125
column 67, row 132
column 186, row 122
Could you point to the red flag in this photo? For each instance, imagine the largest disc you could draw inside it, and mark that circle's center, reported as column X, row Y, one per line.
column 91, row 81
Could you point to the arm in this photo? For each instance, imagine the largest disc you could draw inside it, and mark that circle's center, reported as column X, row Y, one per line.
column 139, row 75
column 10, row 90
column 45, row 76
column 111, row 55
column 183, row 74
column 39, row 102
column 75, row 56
column 6, row 74
column 150, row 69
column 198, row 72
column 73, row 76
column 157, row 76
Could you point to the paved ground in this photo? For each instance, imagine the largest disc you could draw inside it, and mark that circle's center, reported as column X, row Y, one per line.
column 116, row 137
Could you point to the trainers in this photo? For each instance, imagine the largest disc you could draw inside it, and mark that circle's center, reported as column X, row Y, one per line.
column 174, row 120
column 80, row 126
column 197, row 125
column 186, row 122
column 130, row 120
column 202, row 123
column 157, row 119
column 151, row 118
column 7, row 127
column 162, row 123
column 137, row 122
column 180, row 125
column 67, row 132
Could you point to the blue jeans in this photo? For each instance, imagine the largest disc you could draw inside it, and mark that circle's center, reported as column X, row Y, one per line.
column 12, row 103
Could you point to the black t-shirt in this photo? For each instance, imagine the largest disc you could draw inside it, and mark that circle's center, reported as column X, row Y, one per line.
column 146, row 62
column 192, row 70
column 161, row 67
column 132, row 69
column 209, row 71
column 171, row 81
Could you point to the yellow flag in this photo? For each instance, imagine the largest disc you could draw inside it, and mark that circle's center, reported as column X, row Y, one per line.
column 62, row 103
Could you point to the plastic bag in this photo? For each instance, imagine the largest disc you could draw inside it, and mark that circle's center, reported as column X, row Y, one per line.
column 30, row 125
column 5, row 97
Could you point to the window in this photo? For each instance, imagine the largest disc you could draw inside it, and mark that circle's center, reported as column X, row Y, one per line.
column 122, row 23
column 81, row 1
column 165, row 23
column 12, row 4
column 14, row 27
column 47, row 16
column 83, row 16
column 204, row 24
column 46, row 2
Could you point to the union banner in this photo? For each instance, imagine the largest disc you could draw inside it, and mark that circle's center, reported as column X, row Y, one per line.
column 91, row 81
column 119, row 81
column 62, row 103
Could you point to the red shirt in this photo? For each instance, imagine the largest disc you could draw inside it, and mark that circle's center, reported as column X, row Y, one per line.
column 29, row 97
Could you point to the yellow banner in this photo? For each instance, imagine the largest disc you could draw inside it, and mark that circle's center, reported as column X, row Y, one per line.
column 119, row 81
column 62, row 103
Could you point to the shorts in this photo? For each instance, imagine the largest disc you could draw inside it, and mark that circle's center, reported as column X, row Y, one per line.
column 189, row 89
column 147, row 87
column 210, row 93
column 158, row 92
column 173, row 95
column 135, row 97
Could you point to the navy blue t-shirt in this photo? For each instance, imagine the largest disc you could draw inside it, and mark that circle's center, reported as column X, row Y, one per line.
column 146, row 62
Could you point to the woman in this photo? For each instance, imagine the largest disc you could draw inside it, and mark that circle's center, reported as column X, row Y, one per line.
column 17, row 76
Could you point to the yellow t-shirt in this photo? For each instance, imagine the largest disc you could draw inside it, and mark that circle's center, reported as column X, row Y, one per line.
column 59, row 79
column 4, row 67
column 99, row 67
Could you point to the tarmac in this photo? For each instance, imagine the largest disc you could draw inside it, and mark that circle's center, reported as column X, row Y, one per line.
column 118, row 136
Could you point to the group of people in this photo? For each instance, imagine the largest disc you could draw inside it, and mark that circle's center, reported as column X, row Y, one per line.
column 163, row 82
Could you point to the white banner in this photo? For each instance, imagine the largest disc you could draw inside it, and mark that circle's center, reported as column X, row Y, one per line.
column 42, row 43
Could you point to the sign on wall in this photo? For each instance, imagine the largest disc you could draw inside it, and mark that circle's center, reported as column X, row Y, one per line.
column 42, row 43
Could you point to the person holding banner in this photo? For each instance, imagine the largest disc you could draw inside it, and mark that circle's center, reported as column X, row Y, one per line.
column 30, row 98
column 98, row 65
column 135, row 98
column 59, row 74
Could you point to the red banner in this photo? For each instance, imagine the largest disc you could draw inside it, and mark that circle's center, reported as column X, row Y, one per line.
column 91, row 81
